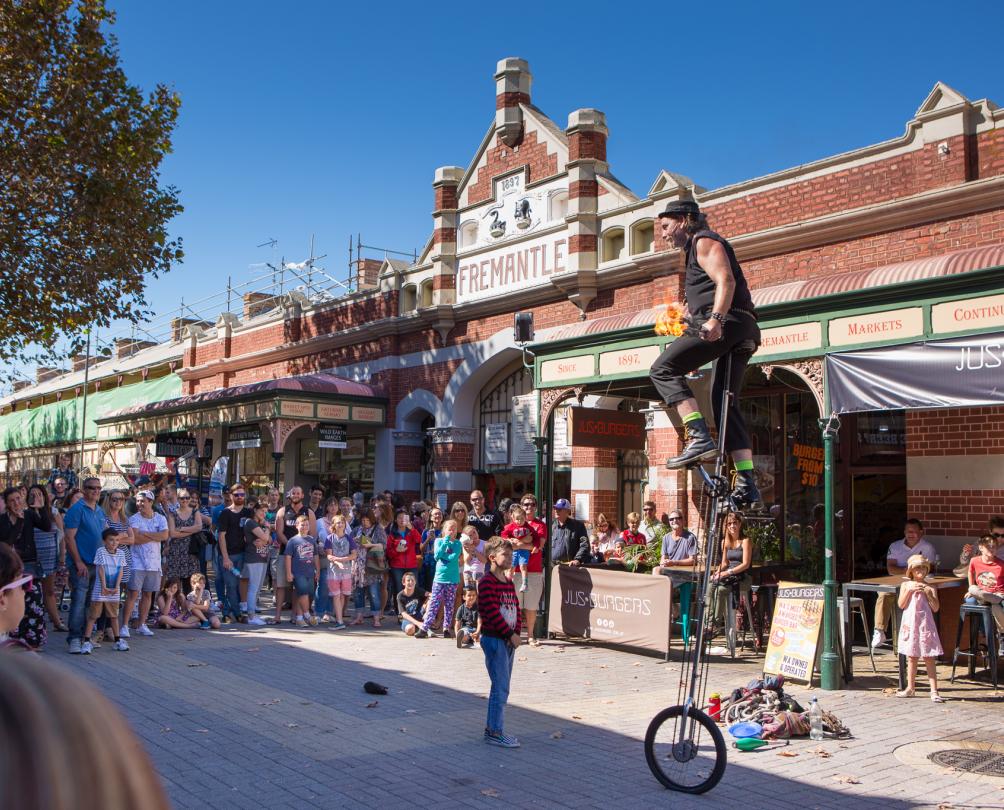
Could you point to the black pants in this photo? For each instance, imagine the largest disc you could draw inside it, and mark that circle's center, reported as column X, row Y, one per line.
column 689, row 352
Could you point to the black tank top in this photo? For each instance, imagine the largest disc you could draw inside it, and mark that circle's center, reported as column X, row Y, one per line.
column 699, row 287
column 289, row 521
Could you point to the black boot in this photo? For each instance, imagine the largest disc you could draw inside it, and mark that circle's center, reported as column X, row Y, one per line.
column 699, row 446
column 746, row 495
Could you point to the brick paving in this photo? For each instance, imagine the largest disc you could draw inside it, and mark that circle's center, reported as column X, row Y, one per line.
column 277, row 717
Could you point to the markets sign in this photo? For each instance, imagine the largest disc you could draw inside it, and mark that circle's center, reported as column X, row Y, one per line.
column 596, row 427
column 794, row 631
column 332, row 437
column 958, row 372
column 244, row 438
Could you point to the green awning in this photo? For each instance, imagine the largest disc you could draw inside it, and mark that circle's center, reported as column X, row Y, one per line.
column 59, row 422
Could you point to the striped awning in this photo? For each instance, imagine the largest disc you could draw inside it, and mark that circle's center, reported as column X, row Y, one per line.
column 948, row 264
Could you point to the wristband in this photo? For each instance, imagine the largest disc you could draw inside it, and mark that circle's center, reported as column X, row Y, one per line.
column 718, row 317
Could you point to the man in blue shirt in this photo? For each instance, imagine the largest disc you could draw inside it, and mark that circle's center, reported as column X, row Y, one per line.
column 679, row 547
column 83, row 524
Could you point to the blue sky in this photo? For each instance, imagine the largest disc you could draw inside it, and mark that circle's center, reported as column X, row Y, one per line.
column 330, row 118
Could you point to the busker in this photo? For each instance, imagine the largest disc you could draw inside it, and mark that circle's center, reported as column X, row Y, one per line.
column 723, row 322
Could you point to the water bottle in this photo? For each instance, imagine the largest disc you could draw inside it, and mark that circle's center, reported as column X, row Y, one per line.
column 815, row 721
column 236, row 572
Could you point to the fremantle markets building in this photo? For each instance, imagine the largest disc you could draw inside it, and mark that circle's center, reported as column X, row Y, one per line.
column 416, row 379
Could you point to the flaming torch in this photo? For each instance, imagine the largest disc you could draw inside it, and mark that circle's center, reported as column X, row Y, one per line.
column 670, row 322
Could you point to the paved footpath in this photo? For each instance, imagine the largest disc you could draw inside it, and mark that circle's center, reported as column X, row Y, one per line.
column 278, row 718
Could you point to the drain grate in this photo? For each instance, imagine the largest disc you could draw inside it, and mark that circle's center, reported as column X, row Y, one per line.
column 983, row 763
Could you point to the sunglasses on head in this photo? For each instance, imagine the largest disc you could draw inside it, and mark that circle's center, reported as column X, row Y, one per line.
column 998, row 535
column 24, row 583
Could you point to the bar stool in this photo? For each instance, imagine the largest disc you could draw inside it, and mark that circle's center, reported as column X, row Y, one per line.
column 856, row 605
column 973, row 612
column 745, row 592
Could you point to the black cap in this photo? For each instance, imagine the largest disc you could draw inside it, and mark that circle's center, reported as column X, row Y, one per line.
column 680, row 208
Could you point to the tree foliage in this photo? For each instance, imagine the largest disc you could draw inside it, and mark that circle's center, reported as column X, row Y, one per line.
column 83, row 215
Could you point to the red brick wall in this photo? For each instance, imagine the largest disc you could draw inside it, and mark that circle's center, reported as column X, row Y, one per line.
column 584, row 145
column 990, row 153
column 407, row 459
column 502, row 158
column 955, row 432
column 918, row 242
column 875, row 182
column 954, row 512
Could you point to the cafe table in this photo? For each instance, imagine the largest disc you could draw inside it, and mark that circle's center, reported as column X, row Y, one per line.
column 890, row 584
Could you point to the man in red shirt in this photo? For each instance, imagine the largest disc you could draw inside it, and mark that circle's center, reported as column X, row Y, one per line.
column 986, row 582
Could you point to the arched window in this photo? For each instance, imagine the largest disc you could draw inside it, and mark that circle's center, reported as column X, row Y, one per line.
column 468, row 234
column 613, row 244
column 557, row 206
column 425, row 294
column 642, row 236
column 495, row 417
column 409, row 299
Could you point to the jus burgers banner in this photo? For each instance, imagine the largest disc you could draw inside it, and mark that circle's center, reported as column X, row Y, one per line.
column 611, row 606
column 794, row 631
column 959, row 372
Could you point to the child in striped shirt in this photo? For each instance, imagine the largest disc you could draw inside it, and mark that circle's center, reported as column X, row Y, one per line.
column 498, row 607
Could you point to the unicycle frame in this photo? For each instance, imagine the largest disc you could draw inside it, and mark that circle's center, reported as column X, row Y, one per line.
column 718, row 488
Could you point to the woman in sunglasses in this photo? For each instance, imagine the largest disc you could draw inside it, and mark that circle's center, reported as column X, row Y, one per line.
column 17, row 529
column 13, row 586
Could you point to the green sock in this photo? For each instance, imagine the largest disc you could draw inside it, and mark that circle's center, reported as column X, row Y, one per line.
column 692, row 417
column 742, row 466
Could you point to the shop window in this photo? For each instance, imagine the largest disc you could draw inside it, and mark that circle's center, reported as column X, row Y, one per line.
column 642, row 237
column 879, row 438
column 613, row 244
column 558, row 206
column 409, row 299
column 468, row 234
column 340, row 472
column 425, row 294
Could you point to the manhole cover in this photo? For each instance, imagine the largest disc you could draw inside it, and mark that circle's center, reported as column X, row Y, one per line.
column 983, row 763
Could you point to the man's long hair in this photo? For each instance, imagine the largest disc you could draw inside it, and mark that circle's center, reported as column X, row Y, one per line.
column 695, row 222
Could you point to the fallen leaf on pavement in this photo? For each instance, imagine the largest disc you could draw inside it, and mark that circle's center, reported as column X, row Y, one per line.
column 411, row 711
column 522, row 658
column 636, row 664
column 604, row 666
column 251, row 649
column 608, row 701
column 846, row 779
column 403, row 730
column 557, row 735
column 373, row 705
column 822, row 752
column 195, row 665
column 787, row 754
column 576, row 717
column 490, row 792
column 292, row 725
column 202, row 731
column 543, row 672
column 165, row 729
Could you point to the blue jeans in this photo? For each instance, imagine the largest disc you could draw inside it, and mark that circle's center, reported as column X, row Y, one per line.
column 231, row 588
column 80, row 600
column 373, row 591
column 499, row 656
column 322, row 601
column 218, row 583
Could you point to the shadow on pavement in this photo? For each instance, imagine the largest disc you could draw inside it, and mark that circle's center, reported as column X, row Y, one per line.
column 255, row 720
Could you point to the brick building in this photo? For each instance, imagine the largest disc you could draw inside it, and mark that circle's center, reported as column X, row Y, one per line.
column 881, row 245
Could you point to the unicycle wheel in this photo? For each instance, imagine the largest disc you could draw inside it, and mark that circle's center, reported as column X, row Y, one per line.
column 685, row 754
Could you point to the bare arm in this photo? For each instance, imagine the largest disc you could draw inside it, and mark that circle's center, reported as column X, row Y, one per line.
column 714, row 261
column 892, row 568
column 905, row 592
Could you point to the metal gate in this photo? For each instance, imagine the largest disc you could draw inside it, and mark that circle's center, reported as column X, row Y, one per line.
column 632, row 476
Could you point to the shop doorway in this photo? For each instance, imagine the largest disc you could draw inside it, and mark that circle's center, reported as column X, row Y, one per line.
column 879, row 512
column 632, row 475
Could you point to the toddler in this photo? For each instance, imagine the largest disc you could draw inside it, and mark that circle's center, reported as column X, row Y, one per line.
column 525, row 542
column 200, row 605
column 468, row 624
column 474, row 556
column 918, row 633
column 109, row 565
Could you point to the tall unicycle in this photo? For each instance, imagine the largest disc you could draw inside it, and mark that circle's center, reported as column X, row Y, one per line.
column 684, row 747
